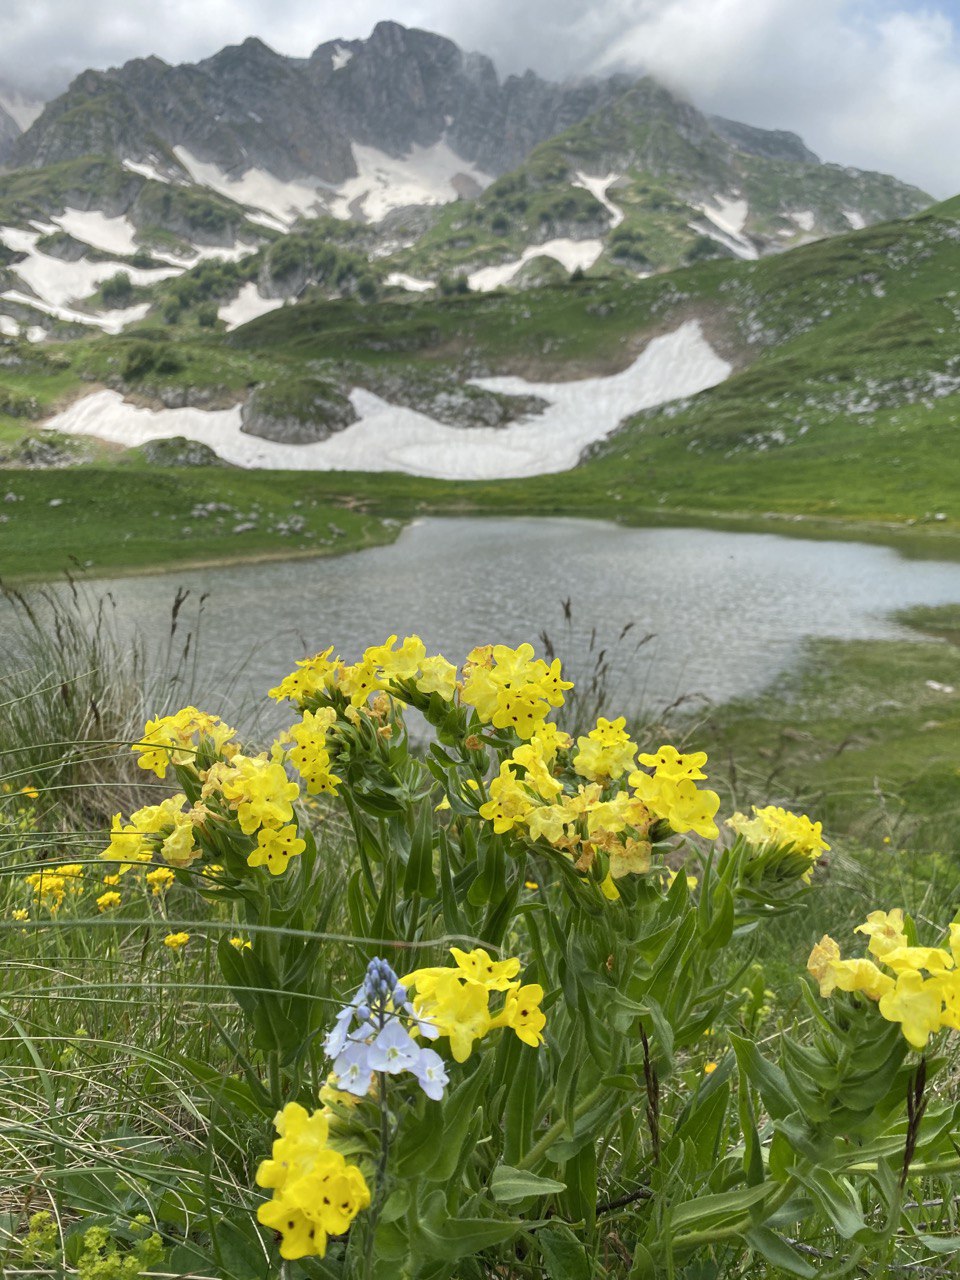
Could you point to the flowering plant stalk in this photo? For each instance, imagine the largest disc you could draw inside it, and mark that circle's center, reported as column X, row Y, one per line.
column 548, row 1060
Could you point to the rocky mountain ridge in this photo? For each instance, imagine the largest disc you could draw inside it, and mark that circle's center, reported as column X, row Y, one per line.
column 249, row 107
column 398, row 163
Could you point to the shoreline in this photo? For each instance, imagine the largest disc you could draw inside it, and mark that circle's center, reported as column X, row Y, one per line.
column 913, row 542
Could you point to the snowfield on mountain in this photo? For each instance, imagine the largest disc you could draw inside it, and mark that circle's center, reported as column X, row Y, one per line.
column 387, row 437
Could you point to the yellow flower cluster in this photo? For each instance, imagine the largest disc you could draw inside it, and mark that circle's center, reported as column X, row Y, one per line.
column 310, row 755
column 670, row 792
column 774, row 825
column 261, row 795
column 606, row 753
column 180, row 738
column 51, row 887
column 316, row 1194
column 320, row 677
column 161, row 828
column 457, row 1001
column 510, row 688
column 527, row 796
column 922, row 1005
column 159, row 880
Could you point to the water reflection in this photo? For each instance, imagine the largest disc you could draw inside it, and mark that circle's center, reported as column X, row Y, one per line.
column 728, row 611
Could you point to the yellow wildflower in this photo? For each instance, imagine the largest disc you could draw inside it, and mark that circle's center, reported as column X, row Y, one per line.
column 669, row 763
column 20, row 913
column 316, row 675
column 477, row 966
column 437, row 675
column 258, row 789
column 107, row 901
column 160, row 880
column 916, row 1003
column 275, row 849
column 310, row 756
column 509, row 801
column 885, row 931
column 176, row 940
column 860, row 975
column 774, row 825
column 606, row 753
column 819, row 964
column 523, row 1015
column 240, row 944
column 316, row 1194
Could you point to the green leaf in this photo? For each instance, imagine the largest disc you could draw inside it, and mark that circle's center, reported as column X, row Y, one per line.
column 720, row 929
column 643, row 1267
column 419, row 1150
column 775, row 1250
column 520, row 1112
column 765, row 1077
column 441, row 1235
column 718, row 1210
column 509, row 1184
column 626, row 1083
column 419, row 877
column 563, row 1255
column 837, row 1199
column 940, row 1244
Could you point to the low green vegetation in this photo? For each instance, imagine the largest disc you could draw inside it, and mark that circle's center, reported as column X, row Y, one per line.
column 865, row 732
column 166, row 1004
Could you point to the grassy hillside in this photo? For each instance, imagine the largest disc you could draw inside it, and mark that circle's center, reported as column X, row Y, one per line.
column 841, row 413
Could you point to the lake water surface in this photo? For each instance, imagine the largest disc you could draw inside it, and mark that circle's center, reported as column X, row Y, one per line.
column 728, row 611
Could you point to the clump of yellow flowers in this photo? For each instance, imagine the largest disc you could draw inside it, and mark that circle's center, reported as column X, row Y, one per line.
column 598, row 798
column 457, row 1000
column 915, row 986
column 316, row 1194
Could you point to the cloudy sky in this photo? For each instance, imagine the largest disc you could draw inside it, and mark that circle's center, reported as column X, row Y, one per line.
column 873, row 83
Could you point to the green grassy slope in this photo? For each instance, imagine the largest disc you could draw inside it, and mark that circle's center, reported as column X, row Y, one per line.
column 842, row 412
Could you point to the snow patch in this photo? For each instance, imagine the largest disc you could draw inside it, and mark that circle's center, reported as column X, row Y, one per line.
column 390, row 438
column 108, row 321
column 110, row 235
column 246, row 306
column 804, row 219
column 571, row 254
column 261, row 190
column 598, row 189
column 729, row 214
column 341, row 57
column 56, row 282
column 856, row 220
column 145, row 170
column 413, row 283
column 736, row 244
column 425, row 175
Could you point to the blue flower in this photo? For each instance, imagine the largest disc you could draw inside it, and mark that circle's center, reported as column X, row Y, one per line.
column 431, row 1074
column 352, row 1069
column 393, row 1050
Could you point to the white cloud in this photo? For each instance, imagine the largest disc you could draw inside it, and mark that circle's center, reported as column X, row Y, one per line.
column 874, row 83
column 878, row 88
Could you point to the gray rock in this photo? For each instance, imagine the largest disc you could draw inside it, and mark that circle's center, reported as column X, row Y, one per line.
column 302, row 412
column 180, row 452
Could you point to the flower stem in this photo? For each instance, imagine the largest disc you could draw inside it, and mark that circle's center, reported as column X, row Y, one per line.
column 379, row 1195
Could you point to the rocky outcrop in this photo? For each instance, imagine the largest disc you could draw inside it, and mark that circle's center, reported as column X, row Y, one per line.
column 769, row 144
column 302, row 412
column 178, row 451
column 249, row 107
column 455, row 405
